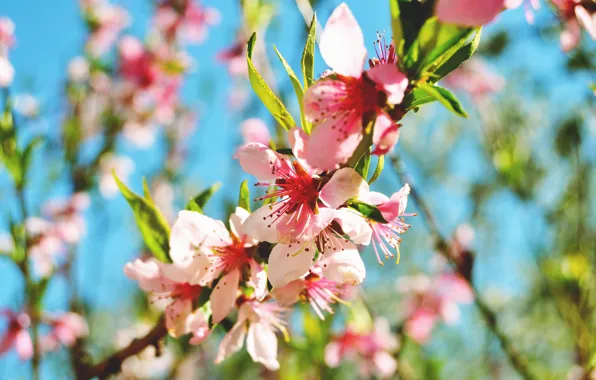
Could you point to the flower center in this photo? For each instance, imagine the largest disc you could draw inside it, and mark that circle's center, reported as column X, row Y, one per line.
column 186, row 291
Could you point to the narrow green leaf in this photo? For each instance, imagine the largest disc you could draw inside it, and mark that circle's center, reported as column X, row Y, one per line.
column 444, row 41
column 151, row 222
column 297, row 87
column 308, row 54
column 244, row 196
column 368, row 211
column 378, row 170
column 417, row 98
column 363, row 165
column 269, row 99
column 198, row 202
column 461, row 55
column 445, row 97
column 396, row 26
column 146, row 191
column 27, row 154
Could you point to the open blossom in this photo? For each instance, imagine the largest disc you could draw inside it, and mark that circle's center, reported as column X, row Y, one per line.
column 66, row 328
column 429, row 300
column 576, row 13
column 475, row 78
column 257, row 323
column 188, row 20
column 109, row 164
column 338, row 104
column 371, row 350
column 168, row 282
column 299, row 193
column 387, row 234
column 325, row 282
column 16, row 335
column 468, row 12
column 205, row 244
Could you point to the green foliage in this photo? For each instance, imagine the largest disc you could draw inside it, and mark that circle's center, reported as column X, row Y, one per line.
column 368, row 211
column 295, row 83
column 308, row 54
column 378, row 170
column 569, row 135
column 264, row 92
column 495, row 45
column 198, row 202
column 445, row 97
column 244, row 196
column 72, row 135
column 460, row 56
column 152, row 224
column 363, row 165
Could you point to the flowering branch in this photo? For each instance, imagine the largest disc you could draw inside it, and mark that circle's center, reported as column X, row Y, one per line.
column 464, row 268
column 112, row 364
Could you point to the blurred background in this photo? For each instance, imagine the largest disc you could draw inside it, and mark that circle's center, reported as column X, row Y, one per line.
column 512, row 186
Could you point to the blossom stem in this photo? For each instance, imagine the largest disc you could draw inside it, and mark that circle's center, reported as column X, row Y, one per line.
column 516, row 359
column 111, row 365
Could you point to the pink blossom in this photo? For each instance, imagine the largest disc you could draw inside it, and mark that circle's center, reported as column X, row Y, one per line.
column 46, row 246
column 6, row 72
column 170, row 282
column 235, row 57
column 136, row 63
column 430, row 300
column 66, row 215
column 106, row 21
column 7, row 39
column 27, row 105
column 371, row 350
column 199, row 241
column 198, row 325
column 78, row 69
column 576, row 13
column 191, row 21
column 468, row 12
column 338, row 103
column 300, row 193
column 65, row 329
column 255, row 130
column 257, row 323
column 475, row 78
column 16, row 334
column 529, row 5
column 108, row 165
column 392, row 209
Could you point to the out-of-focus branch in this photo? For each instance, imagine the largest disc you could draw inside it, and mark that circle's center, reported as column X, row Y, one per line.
column 518, row 362
column 112, row 364
column 307, row 13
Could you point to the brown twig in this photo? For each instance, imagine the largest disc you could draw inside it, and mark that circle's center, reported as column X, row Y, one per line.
column 518, row 362
column 112, row 364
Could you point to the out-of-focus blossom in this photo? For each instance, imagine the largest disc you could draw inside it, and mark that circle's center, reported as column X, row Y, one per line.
column 573, row 14
column 46, row 246
column 6, row 243
column 6, row 72
column 148, row 364
column 189, row 20
column 171, row 282
column 255, row 130
column 66, row 216
column 78, row 69
column 65, row 330
column 429, row 300
column 475, row 78
column 257, row 323
column 105, row 22
column 27, row 105
column 16, row 335
column 337, row 104
column 371, row 350
column 235, row 58
column 529, row 5
column 204, row 243
column 468, row 12
column 109, row 164
column 163, row 195
column 297, row 216
column 141, row 135
column 7, row 41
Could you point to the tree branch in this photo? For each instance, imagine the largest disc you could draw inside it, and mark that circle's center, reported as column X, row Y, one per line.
column 518, row 362
column 112, row 364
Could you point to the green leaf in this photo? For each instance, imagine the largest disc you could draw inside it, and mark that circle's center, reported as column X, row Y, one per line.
column 363, row 165
column 244, row 196
column 378, row 170
column 72, row 135
column 442, row 44
column 199, row 201
column 297, row 88
column 368, row 211
column 396, row 26
column 269, row 99
column 27, row 154
column 152, row 224
column 9, row 153
column 285, row 151
column 417, row 98
column 461, row 55
column 146, row 191
column 308, row 54
column 445, row 97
